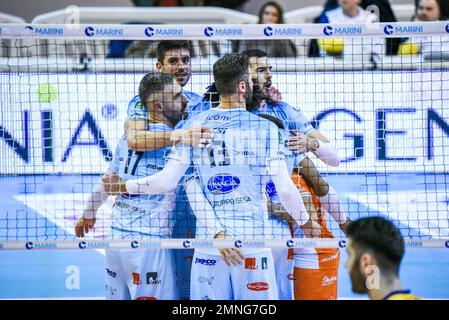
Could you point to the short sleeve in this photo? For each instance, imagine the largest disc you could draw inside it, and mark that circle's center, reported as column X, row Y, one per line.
column 136, row 110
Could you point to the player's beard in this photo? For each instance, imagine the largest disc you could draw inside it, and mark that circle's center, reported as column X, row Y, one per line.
column 248, row 95
column 358, row 281
column 174, row 116
column 258, row 96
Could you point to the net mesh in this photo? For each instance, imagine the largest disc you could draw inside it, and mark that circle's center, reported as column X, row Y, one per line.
column 65, row 98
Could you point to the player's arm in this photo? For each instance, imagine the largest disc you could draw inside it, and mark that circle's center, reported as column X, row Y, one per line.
column 164, row 181
column 291, row 199
column 317, row 143
column 87, row 221
column 206, row 219
column 140, row 139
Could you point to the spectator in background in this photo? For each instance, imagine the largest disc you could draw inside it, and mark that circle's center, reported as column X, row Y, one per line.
column 386, row 14
column 428, row 10
column 350, row 12
column 270, row 13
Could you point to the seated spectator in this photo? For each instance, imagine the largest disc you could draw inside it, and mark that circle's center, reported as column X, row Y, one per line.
column 270, row 13
column 386, row 15
column 350, row 12
column 428, row 10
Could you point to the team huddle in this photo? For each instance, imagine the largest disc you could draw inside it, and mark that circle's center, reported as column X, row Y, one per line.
column 229, row 164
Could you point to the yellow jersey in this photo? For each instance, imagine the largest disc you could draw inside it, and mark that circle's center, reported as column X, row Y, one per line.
column 401, row 295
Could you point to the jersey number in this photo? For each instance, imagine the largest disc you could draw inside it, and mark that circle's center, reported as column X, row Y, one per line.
column 139, row 155
column 218, row 154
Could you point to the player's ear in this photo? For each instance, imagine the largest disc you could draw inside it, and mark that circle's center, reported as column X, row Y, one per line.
column 366, row 260
column 242, row 87
column 158, row 66
column 158, row 106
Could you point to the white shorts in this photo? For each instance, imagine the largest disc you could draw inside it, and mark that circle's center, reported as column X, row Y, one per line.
column 283, row 264
column 212, row 279
column 139, row 274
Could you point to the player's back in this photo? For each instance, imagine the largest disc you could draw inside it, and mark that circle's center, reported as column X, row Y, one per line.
column 146, row 215
column 233, row 170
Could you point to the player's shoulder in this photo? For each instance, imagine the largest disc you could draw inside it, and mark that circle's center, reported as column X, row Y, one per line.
column 135, row 103
column 284, row 106
column 191, row 96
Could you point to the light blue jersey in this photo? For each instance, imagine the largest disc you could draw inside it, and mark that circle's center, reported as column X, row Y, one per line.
column 136, row 111
column 233, row 170
column 293, row 119
column 141, row 215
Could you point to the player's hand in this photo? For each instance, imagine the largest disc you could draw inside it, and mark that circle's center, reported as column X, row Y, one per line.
column 230, row 255
column 345, row 225
column 113, row 184
column 83, row 226
column 300, row 143
column 311, row 229
column 275, row 95
column 197, row 137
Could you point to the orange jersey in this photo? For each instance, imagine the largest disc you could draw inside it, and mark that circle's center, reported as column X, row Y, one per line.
column 303, row 187
column 316, row 270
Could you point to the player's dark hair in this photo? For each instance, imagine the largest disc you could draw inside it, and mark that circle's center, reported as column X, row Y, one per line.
column 276, row 121
column 212, row 96
column 278, row 8
column 229, row 71
column 153, row 82
column 380, row 237
column 254, row 53
column 168, row 45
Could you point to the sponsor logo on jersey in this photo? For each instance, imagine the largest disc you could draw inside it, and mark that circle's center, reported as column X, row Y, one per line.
column 342, row 243
column 328, row 281
column 110, row 290
column 271, row 189
column 264, row 263
column 205, row 298
column 258, row 286
column 152, row 278
column 239, row 200
column 110, row 273
column 250, row 264
column 330, row 258
column 447, row 28
column 223, row 183
column 136, row 278
column 447, row 244
column 206, row 280
column 291, row 277
column 146, row 298
column 217, row 117
column 206, row 262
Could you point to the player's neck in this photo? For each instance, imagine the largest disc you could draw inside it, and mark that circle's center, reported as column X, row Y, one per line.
column 386, row 286
column 351, row 12
column 232, row 102
column 160, row 119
